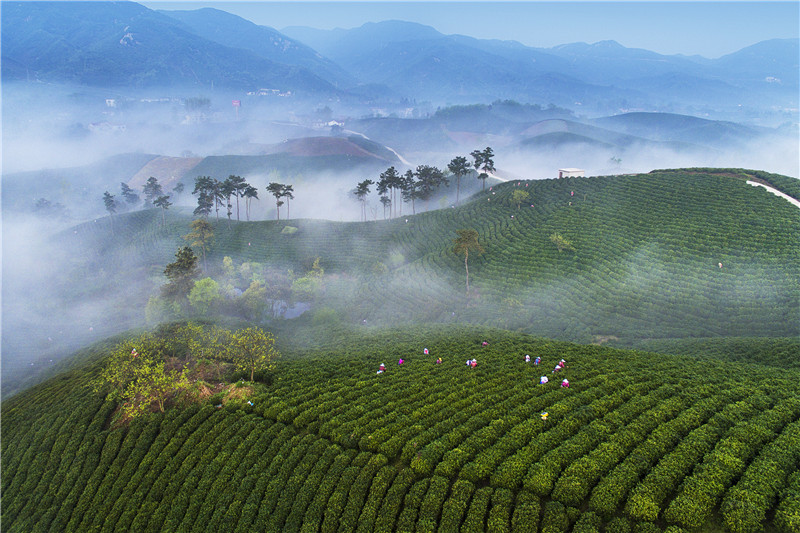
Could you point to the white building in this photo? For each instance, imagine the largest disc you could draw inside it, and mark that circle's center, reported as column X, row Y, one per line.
column 571, row 173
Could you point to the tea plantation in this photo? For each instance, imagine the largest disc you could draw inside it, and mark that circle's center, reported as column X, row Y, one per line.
column 645, row 263
column 638, row 442
column 697, row 429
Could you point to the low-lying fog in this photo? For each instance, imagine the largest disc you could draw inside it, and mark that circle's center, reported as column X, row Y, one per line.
column 69, row 129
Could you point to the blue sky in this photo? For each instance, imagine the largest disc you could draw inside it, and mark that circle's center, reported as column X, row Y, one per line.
column 710, row 29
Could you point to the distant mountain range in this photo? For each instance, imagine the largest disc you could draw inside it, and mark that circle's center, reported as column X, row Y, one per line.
column 124, row 44
column 415, row 57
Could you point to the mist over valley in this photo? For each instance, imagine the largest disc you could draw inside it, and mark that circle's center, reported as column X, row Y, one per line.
column 215, row 229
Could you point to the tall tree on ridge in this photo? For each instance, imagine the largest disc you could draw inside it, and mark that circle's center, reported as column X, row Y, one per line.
column 218, row 191
column 390, row 181
column 408, row 189
column 276, row 190
column 131, row 198
column 288, row 193
column 428, row 180
column 484, row 162
column 111, row 207
column 387, row 203
column 237, row 185
column 204, row 188
column 164, row 203
column 361, row 191
column 458, row 167
column 249, row 194
column 152, row 190
column 227, row 189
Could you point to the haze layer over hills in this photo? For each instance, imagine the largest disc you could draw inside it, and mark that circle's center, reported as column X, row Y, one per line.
column 243, row 270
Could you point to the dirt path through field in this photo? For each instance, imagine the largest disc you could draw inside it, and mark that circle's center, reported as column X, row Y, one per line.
column 776, row 192
column 400, row 157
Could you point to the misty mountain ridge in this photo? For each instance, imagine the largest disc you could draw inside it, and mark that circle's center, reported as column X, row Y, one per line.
column 601, row 63
column 530, row 142
column 125, row 44
column 236, row 32
column 118, row 45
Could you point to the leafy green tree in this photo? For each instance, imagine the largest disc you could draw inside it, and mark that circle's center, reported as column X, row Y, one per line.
column 250, row 193
column 111, row 207
column 254, row 300
column 218, row 192
column 164, row 203
column 205, row 204
column 519, row 196
column 159, row 309
column 561, row 242
column 307, row 288
column 383, row 191
column 458, row 167
column 202, row 235
column 408, row 189
column 253, row 349
column 238, row 186
column 227, row 189
column 135, row 374
column 386, row 202
column 178, row 188
column 122, row 364
column 276, row 190
column 204, row 189
column 361, row 191
column 288, row 193
column 483, row 161
column 467, row 240
column 210, row 343
column 429, row 179
column 181, row 274
column 204, row 295
column 155, row 384
column 390, row 182
column 131, row 198
column 152, row 190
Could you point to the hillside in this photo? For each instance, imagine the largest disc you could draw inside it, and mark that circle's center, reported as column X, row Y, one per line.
column 637, row 442
column 645, row 264
column 305, row 156
column 644, row 269
column 124, row 44
column 236, row 32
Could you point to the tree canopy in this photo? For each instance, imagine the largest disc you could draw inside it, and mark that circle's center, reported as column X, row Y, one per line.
column 254, row 350
column 467, row 240
column 181, row 274
column 202, row 235
column 152, row 190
